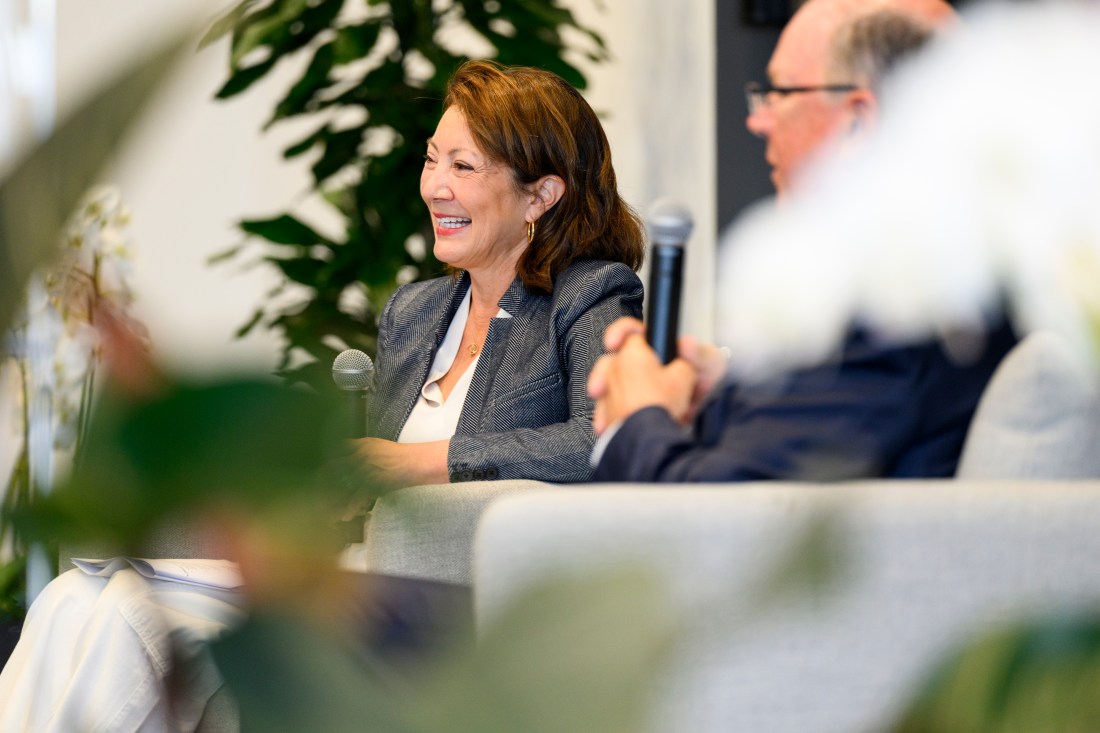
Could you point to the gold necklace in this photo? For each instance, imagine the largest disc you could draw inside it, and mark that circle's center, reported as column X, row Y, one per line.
column 472, row 348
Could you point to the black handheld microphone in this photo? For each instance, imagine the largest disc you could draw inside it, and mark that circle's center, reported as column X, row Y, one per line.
column 352, row 371
column 669, row 228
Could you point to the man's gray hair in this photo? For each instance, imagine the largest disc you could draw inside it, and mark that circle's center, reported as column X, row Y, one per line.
column 866, row 49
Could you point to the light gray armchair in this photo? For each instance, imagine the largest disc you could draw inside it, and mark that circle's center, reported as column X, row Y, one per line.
column 428, row 531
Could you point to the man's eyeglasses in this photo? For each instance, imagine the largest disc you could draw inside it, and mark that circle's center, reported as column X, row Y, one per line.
column 757, row 94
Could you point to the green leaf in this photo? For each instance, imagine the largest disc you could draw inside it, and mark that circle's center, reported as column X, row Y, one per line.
column 308, row 85
column 268, row 27
column 250, row 324
column 225, row 255
column 300, row 269
column 404, row 19
column 283, row 229
column 1036, row 676
column 549, row 14
column 239, row 442
column 226, row 23
column 341, row 149
column 45, row 186
column 13, row 581
column 355, row 41
column 318, row 135
column 282, row 28
column 244, row 78
column 316, row 373
column 10, row 573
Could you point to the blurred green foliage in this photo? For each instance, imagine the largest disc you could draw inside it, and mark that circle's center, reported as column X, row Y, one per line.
column 12, row 587
column 1035, row 676
column 572, row 654
column 560, row 658
column 374, row 84
column 237, row 446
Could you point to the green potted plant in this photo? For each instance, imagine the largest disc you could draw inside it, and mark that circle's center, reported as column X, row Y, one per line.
column 373, row 84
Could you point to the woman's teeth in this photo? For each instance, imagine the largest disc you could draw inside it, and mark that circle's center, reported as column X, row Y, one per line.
column 453, row 222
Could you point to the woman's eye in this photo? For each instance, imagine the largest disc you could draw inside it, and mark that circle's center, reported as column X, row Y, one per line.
column 428, row 160
column 463, row 167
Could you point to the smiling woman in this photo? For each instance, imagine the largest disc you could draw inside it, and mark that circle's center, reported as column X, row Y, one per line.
column 481, row 375
column 480, row 214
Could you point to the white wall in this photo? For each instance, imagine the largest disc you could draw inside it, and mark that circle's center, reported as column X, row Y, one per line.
column 196, row 165
column 193, row 168
column 657, row 96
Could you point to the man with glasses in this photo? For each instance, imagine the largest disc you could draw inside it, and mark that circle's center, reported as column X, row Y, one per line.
column 878, row 410
column 823, row 75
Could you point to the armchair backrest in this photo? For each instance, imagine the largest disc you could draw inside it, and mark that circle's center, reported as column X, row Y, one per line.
column 1039, row 417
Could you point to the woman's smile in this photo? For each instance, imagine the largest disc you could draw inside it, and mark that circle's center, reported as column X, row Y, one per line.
column 449, row 225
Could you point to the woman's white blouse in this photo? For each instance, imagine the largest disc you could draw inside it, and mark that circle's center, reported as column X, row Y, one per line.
column 432, row 417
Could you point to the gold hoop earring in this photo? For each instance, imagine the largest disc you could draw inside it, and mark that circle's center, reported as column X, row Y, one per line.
column 530, row 232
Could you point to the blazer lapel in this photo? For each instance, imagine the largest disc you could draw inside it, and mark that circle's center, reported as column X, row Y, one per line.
column 420, row 350
column 478, row 398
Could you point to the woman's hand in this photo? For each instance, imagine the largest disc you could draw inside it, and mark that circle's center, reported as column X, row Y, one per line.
column 393, row 465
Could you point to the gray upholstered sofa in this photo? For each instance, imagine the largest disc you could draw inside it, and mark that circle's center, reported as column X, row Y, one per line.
column 925, row 564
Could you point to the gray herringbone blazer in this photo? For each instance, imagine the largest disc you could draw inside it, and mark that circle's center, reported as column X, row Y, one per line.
column 527, row 413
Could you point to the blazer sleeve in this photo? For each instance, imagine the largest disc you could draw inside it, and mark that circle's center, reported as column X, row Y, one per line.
column 586, row 300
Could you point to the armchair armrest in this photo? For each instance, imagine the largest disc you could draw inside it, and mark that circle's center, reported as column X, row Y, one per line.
column 428, row 531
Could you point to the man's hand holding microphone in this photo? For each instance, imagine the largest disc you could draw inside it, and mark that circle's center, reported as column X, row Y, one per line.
column 642, row 368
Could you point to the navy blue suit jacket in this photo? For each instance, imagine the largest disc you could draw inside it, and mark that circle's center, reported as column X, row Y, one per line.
column 878, row 412
column 527, row 413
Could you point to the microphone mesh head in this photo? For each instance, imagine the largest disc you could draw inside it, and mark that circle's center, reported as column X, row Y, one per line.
column 352, row 370
column 669, row 223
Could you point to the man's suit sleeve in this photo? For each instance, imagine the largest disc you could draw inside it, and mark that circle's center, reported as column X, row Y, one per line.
column 878, row 412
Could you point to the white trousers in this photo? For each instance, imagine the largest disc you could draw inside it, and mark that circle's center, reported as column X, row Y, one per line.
column 96, row 655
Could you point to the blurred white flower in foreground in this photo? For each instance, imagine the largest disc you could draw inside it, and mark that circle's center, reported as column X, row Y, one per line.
column 980, row 183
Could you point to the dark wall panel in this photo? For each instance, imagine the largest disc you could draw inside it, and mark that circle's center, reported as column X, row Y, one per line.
column 743, row 50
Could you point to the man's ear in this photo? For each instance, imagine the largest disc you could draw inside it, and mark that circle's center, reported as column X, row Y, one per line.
column 545, row 193
column 862, row 109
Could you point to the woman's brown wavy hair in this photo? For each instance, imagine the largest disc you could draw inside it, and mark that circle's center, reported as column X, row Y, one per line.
column 534, row 122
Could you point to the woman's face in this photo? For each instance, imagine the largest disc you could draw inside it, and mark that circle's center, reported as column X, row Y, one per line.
column 477, row 213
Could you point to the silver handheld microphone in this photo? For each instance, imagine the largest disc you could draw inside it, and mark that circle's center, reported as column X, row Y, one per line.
column 352, row 371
